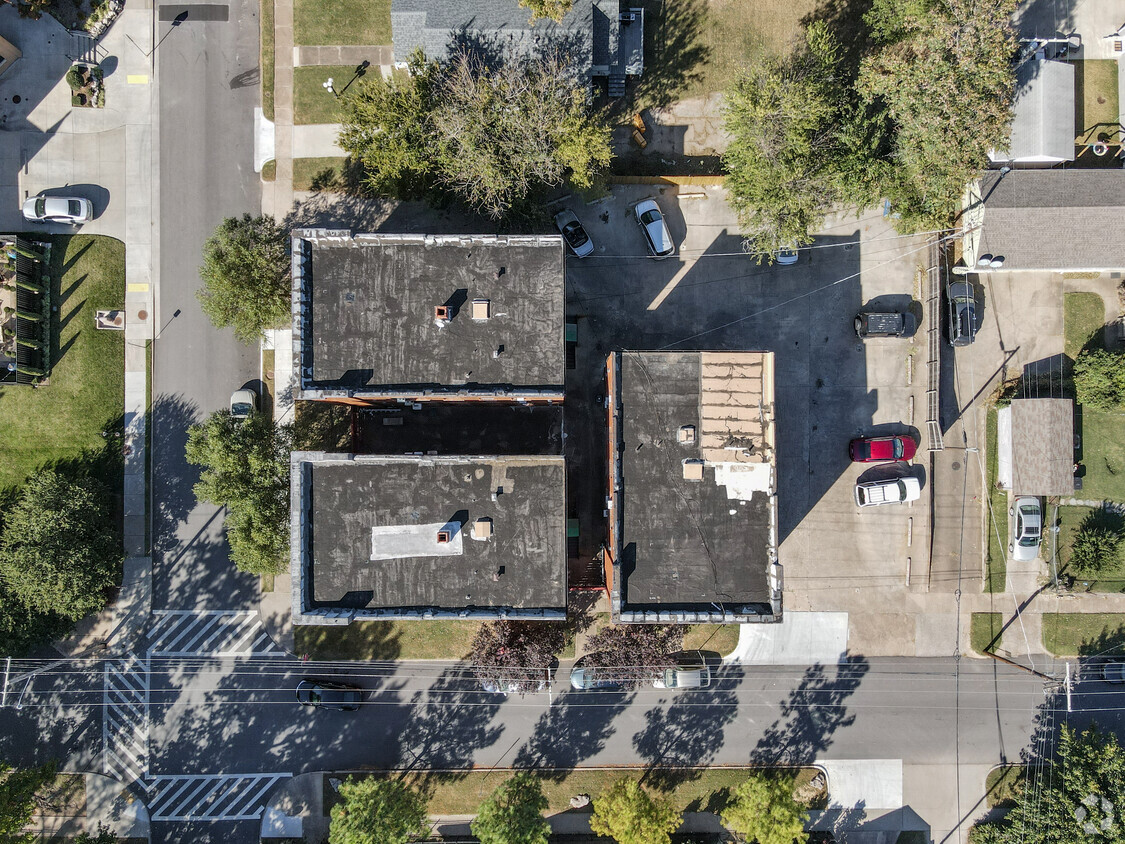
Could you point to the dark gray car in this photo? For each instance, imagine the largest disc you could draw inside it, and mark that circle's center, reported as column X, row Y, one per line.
column 321, row 694
column 869, row 324
column 962, row 328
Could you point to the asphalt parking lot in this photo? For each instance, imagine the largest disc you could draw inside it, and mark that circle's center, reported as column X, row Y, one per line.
column 831, row 386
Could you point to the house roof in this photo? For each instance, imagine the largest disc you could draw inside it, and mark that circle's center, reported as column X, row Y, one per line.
column 695, row 482
column 1054, row 219
column 366, row 534
column 1043, row 114
column 489, row 25
column 365, row 322
column 1043, row 446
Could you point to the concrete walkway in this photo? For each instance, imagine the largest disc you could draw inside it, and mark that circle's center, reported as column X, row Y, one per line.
column 317, row 140
column 277, row 196
column 349, row 55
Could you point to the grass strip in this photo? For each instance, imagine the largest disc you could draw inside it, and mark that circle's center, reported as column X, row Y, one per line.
column 984, row 632
column 997, row 515
column 266, row 60
column 312, row 103
column 1084, row 634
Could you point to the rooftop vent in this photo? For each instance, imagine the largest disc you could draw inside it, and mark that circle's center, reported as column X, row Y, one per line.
column 481, row 530
column 686, row 435
column 444, row 536
column 441, row 314
column 482, row 309
column 693, row 470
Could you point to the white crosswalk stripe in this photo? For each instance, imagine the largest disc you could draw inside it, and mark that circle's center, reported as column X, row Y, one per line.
column 225, row 633
column 125, row 719
column 218, row 797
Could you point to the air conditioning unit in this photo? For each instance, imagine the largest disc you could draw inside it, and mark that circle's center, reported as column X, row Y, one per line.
column 628, row 17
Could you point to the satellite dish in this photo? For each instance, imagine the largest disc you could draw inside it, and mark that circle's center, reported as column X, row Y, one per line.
column 997, row 262
column 984, row 261
column 1100, row 148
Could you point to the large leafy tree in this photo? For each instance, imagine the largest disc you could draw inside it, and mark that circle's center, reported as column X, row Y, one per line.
column 633, row 654
column 762, row 809
column 377, row 811
column 246, row 469
column 491, row 134
column 942, row 69
column 516, row 654
column 246, row 279
column 18, row 790
column 628, row 814
column 1099, row 379
column 1082, row 801
column 513, row 813
column 58, row 550
column 782, row 117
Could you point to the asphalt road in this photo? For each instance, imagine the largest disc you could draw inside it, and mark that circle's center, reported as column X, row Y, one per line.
column 208, row 78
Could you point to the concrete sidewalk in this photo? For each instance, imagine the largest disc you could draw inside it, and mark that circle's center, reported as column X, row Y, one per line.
column 377, row 55
column 317, row 140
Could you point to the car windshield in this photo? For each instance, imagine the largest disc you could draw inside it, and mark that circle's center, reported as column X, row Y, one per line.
column 240, row 409
column 649, row 217
column 40, row 207
column 897, row 448
column 75, row 207
column 575, row 235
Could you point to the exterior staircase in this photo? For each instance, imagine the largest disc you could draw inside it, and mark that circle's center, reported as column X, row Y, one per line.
column 617, row 85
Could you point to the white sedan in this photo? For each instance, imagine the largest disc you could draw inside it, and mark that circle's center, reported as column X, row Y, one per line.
column 58, row 209
column 652, row 224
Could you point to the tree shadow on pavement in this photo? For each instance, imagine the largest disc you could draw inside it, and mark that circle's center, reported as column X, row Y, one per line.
column 680, row 739
column 814, row 711
column 576, row 728
column 448, row 724
column 172, row 476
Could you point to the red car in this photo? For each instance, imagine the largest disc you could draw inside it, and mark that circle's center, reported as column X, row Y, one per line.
column 881, row 449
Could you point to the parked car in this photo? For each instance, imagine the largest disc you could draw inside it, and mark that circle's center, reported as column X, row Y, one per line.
column 1114, row 672
column 651, row 221
column 573, row 233
column 584, row 676
column 58, row 209
column 507, row 686
column 786, row 256
column 881, row 449
column 321, row 694
column 868, row 325
column 690, row 672
column 243, row 403
column 1027, row 528
column 962, row 328
column 891, row 491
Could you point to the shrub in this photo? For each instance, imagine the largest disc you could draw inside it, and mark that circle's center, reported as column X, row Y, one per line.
column 1094, row 549
column 76, row 77
column 1099, row 380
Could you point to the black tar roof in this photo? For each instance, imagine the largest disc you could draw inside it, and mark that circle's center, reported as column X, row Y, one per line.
column 522, row 565
column 684, row 544
column 366, row 319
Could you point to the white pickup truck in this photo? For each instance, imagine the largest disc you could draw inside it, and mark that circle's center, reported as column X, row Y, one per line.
column 890, row 491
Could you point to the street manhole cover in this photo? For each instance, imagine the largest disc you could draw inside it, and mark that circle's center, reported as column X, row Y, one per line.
column 956, row 465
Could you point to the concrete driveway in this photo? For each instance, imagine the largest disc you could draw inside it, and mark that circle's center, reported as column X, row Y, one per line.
column 831, row 387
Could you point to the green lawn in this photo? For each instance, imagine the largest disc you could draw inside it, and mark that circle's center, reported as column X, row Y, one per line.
column 704, row 789
column 267, row 62
column 65, row 418
column 1078, row 634
column 1111, row 580
column 1083, row 319
column 321, row 174
column 985, row 631
column 1103, row 454
column 311, row 102
column 694, row 47
column 1003, row 785
column 1095, row 96
column 366, row 22
column 387, row 640
column 722, row 638
column 997, row 515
